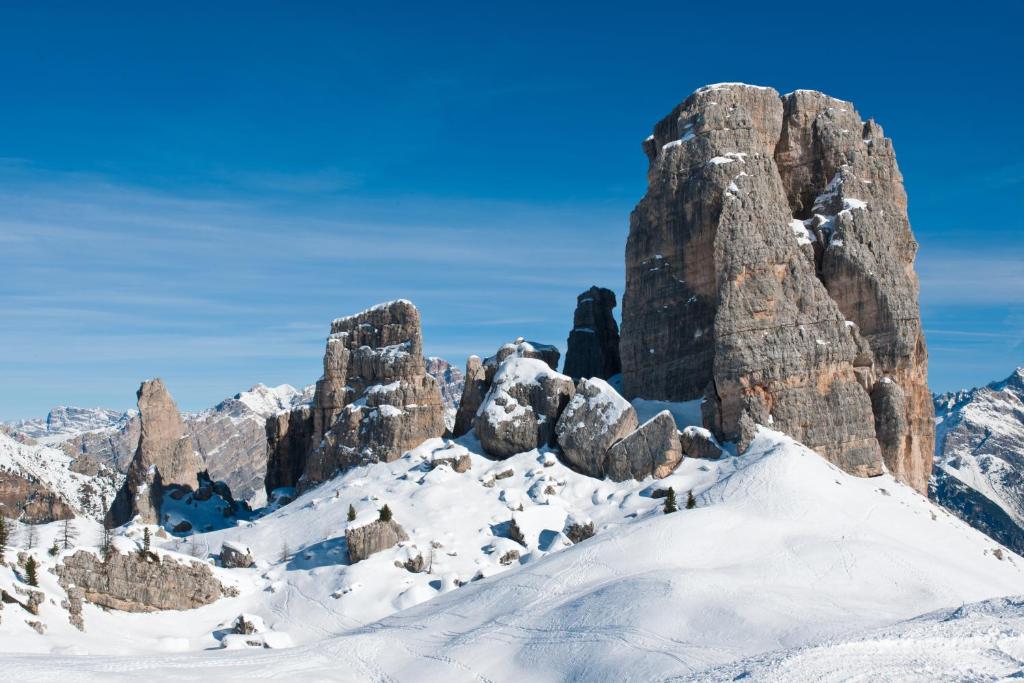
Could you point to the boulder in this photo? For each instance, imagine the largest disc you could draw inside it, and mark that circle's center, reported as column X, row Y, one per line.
column 236, row 556
column 769, row 268
column 522, row 406
column 698, row 442
column 652, row 450
column 132, row 584
column 595, row 418
column 593, row 345
column 371, row 538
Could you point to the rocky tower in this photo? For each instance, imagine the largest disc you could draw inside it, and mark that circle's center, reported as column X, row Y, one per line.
column 164, row 457
column 769, row 268
column 593, row 346
column 374, row 401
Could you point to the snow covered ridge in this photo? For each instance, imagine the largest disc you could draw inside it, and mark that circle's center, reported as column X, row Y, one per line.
column 782, row 550
column 52, row 469
column 64, row 422
column 980, row 457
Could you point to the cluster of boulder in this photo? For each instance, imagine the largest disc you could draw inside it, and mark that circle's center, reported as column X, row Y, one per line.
column 769, row 270
column 374, row 401
column 516, row 401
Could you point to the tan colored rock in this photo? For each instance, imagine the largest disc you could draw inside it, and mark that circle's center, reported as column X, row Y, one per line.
column 595, row 418
column 371, row 538
column 652, row 450
column 164, row 457
column 131, row 583
column 770, row 269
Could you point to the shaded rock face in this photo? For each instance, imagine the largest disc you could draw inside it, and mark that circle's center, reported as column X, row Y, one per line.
column 235, row 556
column 451, row 382
column 133, row 584
column 480, row 375
column 652, row 450
column 371, row 538
column 595, row 418
column 164, row 458
column 522, row 406
column 593, row 345
column 770, row 270
column 374, row 401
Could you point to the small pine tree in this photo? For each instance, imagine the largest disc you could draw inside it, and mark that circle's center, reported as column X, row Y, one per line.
column 107, row 545
column 4, row 536
column 285, row 552
column 385, row 514
column 54, row 549
column 691, row 502
column 670, row 501
column 351, row 512
column 30, row 572
column 31, row 536
column 68, row 534
column 144, row 552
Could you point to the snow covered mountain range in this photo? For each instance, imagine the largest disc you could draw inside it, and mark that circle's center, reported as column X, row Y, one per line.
column 979, row 463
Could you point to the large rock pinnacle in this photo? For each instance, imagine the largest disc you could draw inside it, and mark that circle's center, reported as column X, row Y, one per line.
column 769, row 268
column 163, row 458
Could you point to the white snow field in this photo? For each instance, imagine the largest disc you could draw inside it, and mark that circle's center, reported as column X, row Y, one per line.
column 783, row 551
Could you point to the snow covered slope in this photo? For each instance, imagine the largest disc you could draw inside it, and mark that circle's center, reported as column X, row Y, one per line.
column 783, row 550
column 979, row 465
column 53, row 470
column 981, row 641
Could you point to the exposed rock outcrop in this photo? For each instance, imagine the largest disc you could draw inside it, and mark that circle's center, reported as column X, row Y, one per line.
column 595, row 418
column 131, row 583
column 164, row 458
column 236, row 556
column 480, row 375
column 652, row 450
column 593, row 345
column 371, row 538
column 522, row 406
column 698, row 442
column 451, row 382
column 770, row 270
column 374, row 401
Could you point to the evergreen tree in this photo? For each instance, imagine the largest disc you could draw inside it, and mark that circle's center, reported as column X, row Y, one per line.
column 30, row 572
column 107, row 545
column 31, row 536
column 385, row 514
column 4, row 536
column 68, row 534
column 691, row 502
column 351, row 512
column 144, row 552
column 670, row 501
column 54, row 549
column 285, row 552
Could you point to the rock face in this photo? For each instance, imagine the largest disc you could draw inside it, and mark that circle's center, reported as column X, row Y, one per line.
column 979, row 465
column 480, row 375
column 595, row 418
column 40, row 484
column 652, row 450
column 164, row 458
column 371, row 538
column 374, row 401
column 593, row 346
column 769, row 268
column 132, row 584
column 522, row 406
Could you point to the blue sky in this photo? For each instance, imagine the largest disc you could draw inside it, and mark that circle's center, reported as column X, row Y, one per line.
column 194, row 190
